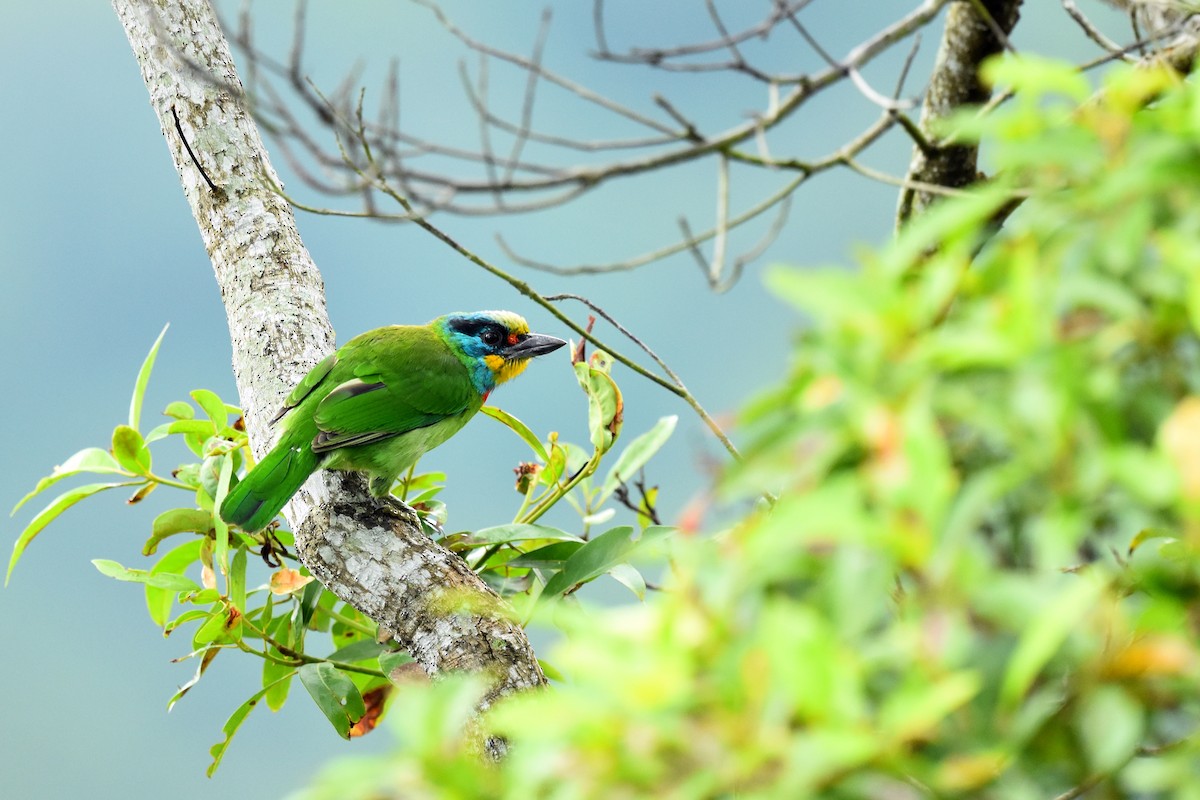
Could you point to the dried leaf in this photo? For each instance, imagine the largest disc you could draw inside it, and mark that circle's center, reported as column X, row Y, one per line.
column 374, row 701
column 287, row 580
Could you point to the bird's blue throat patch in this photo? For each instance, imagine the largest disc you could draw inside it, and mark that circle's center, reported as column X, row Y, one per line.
column 467, row 335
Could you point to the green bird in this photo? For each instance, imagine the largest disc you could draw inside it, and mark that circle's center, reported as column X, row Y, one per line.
column 383, row 400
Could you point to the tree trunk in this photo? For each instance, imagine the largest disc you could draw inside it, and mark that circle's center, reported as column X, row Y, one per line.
column 274, row 299
column 967, row 40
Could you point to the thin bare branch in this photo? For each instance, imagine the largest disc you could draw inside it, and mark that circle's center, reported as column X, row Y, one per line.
column 571, row 86
column 1090, row 30
column 684, row 393
column 760, row 247
column 523, row 177
column 722, row 227
column 531, row 83
column 806, row 169
column 598, row 25
column 640, row 55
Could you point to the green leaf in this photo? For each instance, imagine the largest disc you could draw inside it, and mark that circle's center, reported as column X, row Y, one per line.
column 308, row 602
column 48, row 514
column 277, row 681
column 202, row 597
column 646, row 506
column 1037, row 75
column 158, row 432
column 223, row 626
column 636, row 454
column 170, row 581
column 179, row 410
column 392, row 659
column 1110, row 724
column 213, row 407
column 600, row 555
column 266, row 612
column 1045, row 633
column 90, row 459
column 173, row 521
column 199, row 427
column 519, row 428
column 605, row 406
column 206, row 657
column 130, row 450
column 552, row 672
column 362, row 650
column 141, row 493
column 221, row 528
column 555, row 466
column 160, row 601
column 335, row 694
column 552, row 556
column 192, row 615
column 1146, row 534
column 519, row 532
column 826, row 294
column 631, row 578
column 236, row 582
column 915, row 709
column 217, row 751
column 425, row 480
column 188, row 474
column 139, row 386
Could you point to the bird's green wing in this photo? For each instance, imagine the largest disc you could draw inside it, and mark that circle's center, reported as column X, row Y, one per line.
column 404, row 378
column 306, row 385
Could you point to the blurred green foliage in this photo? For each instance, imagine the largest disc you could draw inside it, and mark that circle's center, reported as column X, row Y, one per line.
column 980, row 577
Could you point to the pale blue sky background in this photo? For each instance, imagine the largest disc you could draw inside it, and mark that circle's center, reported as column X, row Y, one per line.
column 98, row 251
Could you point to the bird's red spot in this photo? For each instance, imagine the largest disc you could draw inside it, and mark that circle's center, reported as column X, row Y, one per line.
column 513, row 339
column 485, row 395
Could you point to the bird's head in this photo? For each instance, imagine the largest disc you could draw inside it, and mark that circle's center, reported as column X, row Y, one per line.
column 495, row 346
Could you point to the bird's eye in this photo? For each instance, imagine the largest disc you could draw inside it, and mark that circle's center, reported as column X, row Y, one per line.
column 490, row 336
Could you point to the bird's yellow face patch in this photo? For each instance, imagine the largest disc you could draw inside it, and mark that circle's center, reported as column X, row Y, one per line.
column 505, row 370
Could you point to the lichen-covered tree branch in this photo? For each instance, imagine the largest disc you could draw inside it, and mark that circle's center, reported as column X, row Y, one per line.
column 385, row 566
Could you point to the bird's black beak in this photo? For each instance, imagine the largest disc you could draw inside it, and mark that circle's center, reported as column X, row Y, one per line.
column 534, row 344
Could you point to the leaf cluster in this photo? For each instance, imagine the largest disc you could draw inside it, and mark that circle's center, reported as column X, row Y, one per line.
column 295, row 626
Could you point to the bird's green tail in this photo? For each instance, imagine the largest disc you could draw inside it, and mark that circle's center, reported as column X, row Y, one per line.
column 260, row 495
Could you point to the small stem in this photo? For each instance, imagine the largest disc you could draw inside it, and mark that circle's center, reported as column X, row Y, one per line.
column 266, row 655
column 562, row 490
column 168, row 482
column 524, row 505
column 348, row 622
column 407, row 478
column 302, row 658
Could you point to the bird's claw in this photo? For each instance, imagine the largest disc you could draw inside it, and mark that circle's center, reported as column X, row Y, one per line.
column 394, row 507
column 398, row 508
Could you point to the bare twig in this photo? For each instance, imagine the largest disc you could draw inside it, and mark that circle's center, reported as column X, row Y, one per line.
column 660, row 55
column 522, row 177
column 571, row 86
column 851, row 149
column 1090, row 30
column 684, row 393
